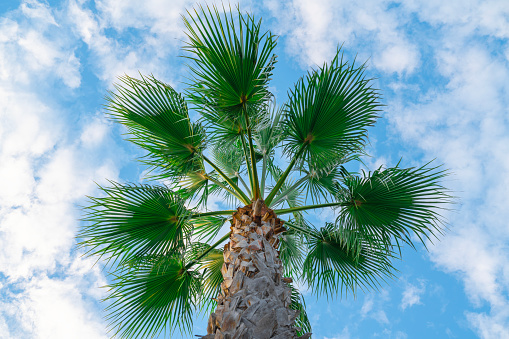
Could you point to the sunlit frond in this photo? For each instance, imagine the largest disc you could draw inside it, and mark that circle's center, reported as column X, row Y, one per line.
column 328, row 113
column 133, row 220
column 336, row 265
column 206, row 228
column 231, row 65
column 394, row 203
column 291, row 252
column 153, row 294
column 157, row 119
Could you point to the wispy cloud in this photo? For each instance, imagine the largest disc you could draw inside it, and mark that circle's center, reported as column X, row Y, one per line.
column 465, row 125
column 47, row 166
column 313, row 30
column 412, row 294
column 460, row 119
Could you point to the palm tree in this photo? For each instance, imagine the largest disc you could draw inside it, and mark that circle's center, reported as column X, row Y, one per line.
column 170, row 257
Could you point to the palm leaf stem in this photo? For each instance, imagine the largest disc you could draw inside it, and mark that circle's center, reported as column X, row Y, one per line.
column 309, row 207
column 283, row 177
column 204, row 253
column 207, row 214
column 307, row 232
column 280, row 197
column 248, row 161
column 264, row 174
column 255, row 184
column 220, row 184
column 237, row 174
column 236, row 188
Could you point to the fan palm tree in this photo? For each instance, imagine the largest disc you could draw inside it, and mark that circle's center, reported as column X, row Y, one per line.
column 170, row 256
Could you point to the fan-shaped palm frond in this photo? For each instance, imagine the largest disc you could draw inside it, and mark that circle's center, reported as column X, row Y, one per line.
column 393, row 203
column 341, row 262
column 194, row 184
column 328, row 113
column 210, row 265
column 270, row 132
column 134, row 220
column 291, row 252
column 152, row 294
column 206, row 228
column 229, row 158
column 158, row 121
column 321, row 184
column 302, row 320
column 289, row 191
column 232, row 63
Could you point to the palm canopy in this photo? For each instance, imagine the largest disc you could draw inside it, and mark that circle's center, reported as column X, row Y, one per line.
column 164, row 251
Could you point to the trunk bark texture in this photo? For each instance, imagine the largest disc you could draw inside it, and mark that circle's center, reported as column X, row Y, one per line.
column 255, row 297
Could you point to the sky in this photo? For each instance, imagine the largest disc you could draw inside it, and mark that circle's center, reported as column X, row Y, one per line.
column 443, row 69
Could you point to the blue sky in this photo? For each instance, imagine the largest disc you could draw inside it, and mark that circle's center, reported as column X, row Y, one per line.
column 443, row 68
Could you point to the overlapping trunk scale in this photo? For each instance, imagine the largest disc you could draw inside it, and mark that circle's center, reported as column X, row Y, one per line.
column 255, row 297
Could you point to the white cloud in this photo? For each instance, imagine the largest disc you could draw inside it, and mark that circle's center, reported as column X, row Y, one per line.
column 37, row 10
column 397, row 58
column 56, row 308
column 465, row 126
column 491, row 326
column 367, row 306
column 373, row 308
column 161, row 32
column 33, row 46
column 488, row 17
column 48, row 163
column 314, row 29
column 412, row 295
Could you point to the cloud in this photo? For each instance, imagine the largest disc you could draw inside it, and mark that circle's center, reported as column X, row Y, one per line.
column 463, row 123
column 160, row 33
column 412, row 295
column 313, row 30
column 32, row 46
column 373, row 308
column 55, row 308
column 49, row 160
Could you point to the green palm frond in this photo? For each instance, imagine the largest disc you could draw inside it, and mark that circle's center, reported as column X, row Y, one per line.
column 268, row 136
column 321, row 184
column 133, row 220
column 194, row 184
column 328, row 113
column 290, row 190
column 298, row 304
column 157, row 119
column 291, row 252
column 210, row 265
column 206, row 228
column 153, row 294
column 229, row 158
column 342, row 262
column 231, row 63
column 393, row 203
column 270, row 132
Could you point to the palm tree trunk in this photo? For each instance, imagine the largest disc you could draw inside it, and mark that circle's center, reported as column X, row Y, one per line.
column 255, row 297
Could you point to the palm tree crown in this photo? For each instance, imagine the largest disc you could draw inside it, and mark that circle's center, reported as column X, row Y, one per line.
column 166, row 252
